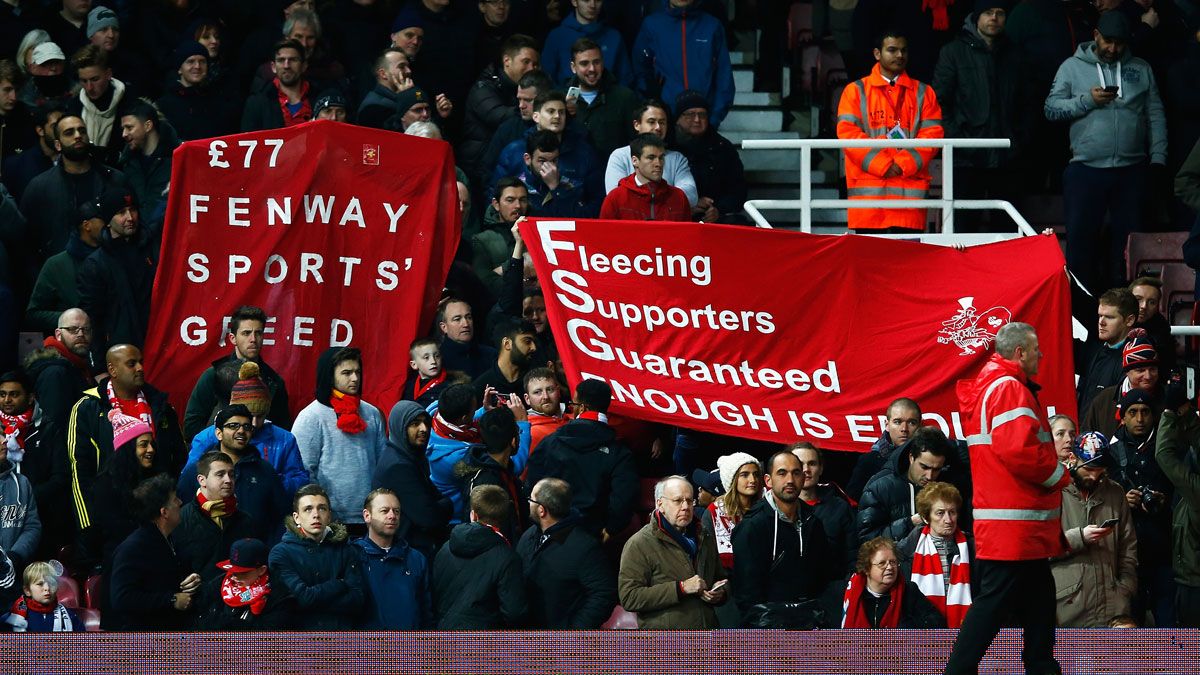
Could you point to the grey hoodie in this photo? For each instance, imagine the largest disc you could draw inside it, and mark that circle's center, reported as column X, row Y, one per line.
column 1121, row 133
column 20, row 527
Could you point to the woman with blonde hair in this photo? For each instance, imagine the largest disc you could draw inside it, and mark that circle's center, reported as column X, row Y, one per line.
column 742, row 478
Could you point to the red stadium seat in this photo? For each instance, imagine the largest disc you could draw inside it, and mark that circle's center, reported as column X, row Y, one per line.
column 68, row 592
column 1146, row 251
column 621, row 620
column 645, row 502
column 90, row 618
column 91, row 592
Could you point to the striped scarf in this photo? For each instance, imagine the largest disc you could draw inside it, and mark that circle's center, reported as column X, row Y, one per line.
column 928, row 575
column 723, row 529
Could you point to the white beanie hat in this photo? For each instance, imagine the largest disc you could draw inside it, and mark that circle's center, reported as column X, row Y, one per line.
column 729, row 465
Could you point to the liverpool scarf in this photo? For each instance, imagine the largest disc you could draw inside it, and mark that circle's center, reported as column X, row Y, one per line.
column 930, row 577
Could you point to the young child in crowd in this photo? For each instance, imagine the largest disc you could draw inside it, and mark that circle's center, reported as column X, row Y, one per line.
column 38, row 610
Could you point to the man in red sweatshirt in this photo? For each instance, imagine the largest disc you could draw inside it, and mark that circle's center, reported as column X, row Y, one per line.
column 643, row 195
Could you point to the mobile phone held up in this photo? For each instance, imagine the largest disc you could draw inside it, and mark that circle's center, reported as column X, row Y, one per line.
column 1112, row 89
column 1109, row 523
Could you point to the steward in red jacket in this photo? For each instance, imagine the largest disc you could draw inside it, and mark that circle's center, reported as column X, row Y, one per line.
column 643, row 195
column 1018, row 485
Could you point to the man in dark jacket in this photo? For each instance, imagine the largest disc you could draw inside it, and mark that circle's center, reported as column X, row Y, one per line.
column 459, row 349
column 490, row 100
column 446, row 62
column 397, row 575
column 1116, row 313
column 491, row 464
column 567, row 577
column 529, row 87
column 889, row 503
column 903, row 420
column 247, row 326
column 241, row 597
column 392, row 76
column 780, row 553
column 193, row 105
column 211, row 521
column 288, row 101
column 20, row 169
column 315, row 564
column 586, row 453
column 56, row 288
column 715, row 163
column 477, row 578
column 146, row 159
column 1178, row 431
column 1139, row 370
column 150, row 583
column 116, row 280
column 404, row 469
column 89, row 434
column 258, row 488
column 51, row 200
column 830, row 506
column 604, row 107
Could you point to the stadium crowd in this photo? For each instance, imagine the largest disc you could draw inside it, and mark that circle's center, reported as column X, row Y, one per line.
column 491, row 496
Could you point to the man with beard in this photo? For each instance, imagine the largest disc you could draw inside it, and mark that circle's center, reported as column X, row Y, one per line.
column 51, row 201
column 116, row 280
column 288, row 101
column 1149, row 495
column 258, row 489
column 36, row 158
column 247, row 326
column 544, row 398
column 587, row 454
column 714, row 161
column 146, row 160
column 459, row 352
column 517, row 345
column 780, row 551
column 1097, row 578
column 57, row 287
column 396, row 575
column 1139, row 361
column 903, row 419
column 889, row 502
column 829, row 505
column 424, row 521
column 213, row 518
column 90, row 431
column 603, row 106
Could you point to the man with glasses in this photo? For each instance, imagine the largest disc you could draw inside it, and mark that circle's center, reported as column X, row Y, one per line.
column 713, row 160
column 257, row 488
column 289, row 100
column 587, row 454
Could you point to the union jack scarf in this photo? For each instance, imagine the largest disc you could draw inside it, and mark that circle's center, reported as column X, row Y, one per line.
column 928, row 575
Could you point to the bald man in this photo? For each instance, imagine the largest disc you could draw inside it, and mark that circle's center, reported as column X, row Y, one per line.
column 90, row 431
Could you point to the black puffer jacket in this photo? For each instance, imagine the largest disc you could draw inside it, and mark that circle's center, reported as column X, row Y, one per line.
column 490, row 101
column 568, row 579
column 115, row 283
column 51, row 204
column 479, row 468
column 598, row 467
column 477, row 581
column 325, row 578
column 774, row 560
column 718, row 171
column 890, row 500
column 841, row 529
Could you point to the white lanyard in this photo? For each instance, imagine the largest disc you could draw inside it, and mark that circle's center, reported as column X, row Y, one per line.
column 1100, row 71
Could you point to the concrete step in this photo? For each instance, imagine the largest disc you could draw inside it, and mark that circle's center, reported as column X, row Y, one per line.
column 790, row 192
column 770, row 160
column 743, row 78
column 736, row 136
column 755, row 99
column 831, row 220
column 754, row 119
column 788, row 177
column 741, row 58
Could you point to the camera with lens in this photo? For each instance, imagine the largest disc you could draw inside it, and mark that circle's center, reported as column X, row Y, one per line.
column 1149, row 500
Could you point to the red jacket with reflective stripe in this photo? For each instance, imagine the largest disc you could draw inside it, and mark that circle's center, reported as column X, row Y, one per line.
column 1017, row 478
column 866, row 111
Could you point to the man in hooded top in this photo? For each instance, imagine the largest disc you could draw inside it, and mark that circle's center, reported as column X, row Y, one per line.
column 341, row 436
column 403, row 469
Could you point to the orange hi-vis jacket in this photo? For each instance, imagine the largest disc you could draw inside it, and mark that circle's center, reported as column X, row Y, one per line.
column 872, row 108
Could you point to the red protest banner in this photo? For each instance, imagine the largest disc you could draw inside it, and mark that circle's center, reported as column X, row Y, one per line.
column 784, row 336
column 342, row 234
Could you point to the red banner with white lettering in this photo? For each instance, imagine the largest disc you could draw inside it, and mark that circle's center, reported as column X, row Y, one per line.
column 784, row 336
column 342, row 234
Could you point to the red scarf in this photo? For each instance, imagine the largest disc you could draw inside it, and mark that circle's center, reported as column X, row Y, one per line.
column 302, row 115
column 15, row 426
column 138, row 408
column 495, row 529
column 237, row 594
column 592, row 415
column 216, row 509
column 853, row 615
column 346, row 407
column 941, row 20
column 723, row 531
column 928, row 575
column 420, row 389
column 454, row 432
column 76, row 360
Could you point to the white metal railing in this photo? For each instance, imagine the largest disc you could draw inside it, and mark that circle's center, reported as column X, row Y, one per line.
column 1185, row 330
column 947, row 204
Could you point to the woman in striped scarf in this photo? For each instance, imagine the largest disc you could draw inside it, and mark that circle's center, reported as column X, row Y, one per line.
column 938, row 557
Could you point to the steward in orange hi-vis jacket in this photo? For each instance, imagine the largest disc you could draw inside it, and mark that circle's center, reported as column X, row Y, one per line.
column 888, row 104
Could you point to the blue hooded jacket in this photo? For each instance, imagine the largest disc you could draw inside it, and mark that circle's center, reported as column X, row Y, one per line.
column 398, row 596
column 444, row 453
column 577, row 165
column 659, row 53
column 556, row 55
column 277, row 446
